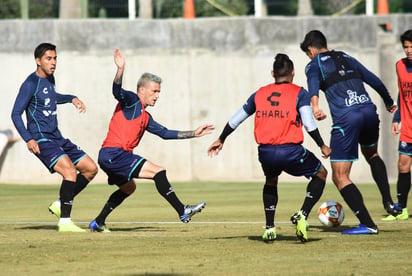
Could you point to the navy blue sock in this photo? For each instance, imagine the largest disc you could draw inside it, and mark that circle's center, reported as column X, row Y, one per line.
column 66, row 198
column 354, row 199
column 314, row 191
column 380, row 176
column 115, row 199
column 164, row 188
column 270, row 200
column 403, row 187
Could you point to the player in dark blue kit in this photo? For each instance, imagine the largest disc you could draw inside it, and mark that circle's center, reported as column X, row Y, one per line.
column 127, row 126
column 280, row 110
column 38, row 99
column 355, row 121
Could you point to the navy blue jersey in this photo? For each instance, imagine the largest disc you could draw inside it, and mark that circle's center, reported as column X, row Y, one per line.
column 38, row 98
column 344, row 94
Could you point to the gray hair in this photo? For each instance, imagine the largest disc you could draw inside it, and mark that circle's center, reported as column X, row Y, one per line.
column 146, row 78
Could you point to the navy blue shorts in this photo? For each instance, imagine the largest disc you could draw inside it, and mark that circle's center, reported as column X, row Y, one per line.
column 360, row 127
column 119, row 164
column 405, row 148
column 52, row 150
column 292, row 158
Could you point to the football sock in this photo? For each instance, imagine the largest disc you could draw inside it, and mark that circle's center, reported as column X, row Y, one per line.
column 115, row 199
column 66, row 198
column 81, row 183
column 403, row 188
column 380, row 176
column 165, row 190
column 314, row 191
column 354, row 199
column 270, row 200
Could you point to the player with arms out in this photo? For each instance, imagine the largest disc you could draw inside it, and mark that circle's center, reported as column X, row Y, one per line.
column 280, row 139
column 127, row 126
column 402, row 123
column 38, row 99
column 355, row 121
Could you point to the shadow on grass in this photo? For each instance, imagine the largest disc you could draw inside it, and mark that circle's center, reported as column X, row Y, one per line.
column 39, row 227
column 259, row 238
column 143, row 229
column 129, row 229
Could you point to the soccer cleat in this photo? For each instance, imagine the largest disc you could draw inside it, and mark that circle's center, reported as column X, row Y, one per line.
column 69, row 227
column 402, row 216
column 191, row 210
column 270, row 234
column 94, row 227
column 393, row 209
column 54, row 208
column 301, row 226
column 361, row 230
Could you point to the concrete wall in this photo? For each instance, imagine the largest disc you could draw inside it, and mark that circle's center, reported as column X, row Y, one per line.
column 209, row 68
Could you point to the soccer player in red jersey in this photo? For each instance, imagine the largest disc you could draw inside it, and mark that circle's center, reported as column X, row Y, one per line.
column 280, row 109
column 129, row 122
column 402, row 124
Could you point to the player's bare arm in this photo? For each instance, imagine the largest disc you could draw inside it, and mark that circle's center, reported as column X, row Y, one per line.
column 120, row 62
column 395, row 128
column 318, row 113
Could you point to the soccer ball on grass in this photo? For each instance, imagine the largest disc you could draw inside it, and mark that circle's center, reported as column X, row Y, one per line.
column 331, row 213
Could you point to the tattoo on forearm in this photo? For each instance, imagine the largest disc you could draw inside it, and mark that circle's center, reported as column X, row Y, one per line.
column 118, row 80
column 185, row 134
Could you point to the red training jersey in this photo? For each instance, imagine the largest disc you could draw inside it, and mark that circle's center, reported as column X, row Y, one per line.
column 276, row 119
column 123, row 133
column 405, row 100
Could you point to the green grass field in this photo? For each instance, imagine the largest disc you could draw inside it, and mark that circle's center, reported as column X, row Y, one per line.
column 225, row 239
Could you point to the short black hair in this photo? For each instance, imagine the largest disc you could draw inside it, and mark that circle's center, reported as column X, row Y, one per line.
column 42, row 48
column 406, row 36
column 282, row 66
column 314, row 38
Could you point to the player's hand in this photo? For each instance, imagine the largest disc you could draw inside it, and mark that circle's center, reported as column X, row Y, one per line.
column 395, row 128
column 392, row 109
column 79, row 105
column 119, row 59
column 204, row 129
column 215, row 148
column 318, row 114
column 326, row 151
column 33, row 147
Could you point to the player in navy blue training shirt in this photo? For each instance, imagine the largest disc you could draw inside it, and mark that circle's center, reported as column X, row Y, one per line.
column 355, row 121
column 38, row 99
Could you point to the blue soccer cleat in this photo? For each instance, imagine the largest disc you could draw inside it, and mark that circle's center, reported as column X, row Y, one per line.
column 94, row 227
column 361, row 230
